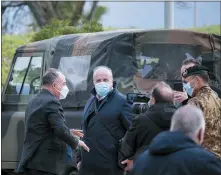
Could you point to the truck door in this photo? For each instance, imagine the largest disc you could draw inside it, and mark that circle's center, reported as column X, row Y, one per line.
column 23, row 83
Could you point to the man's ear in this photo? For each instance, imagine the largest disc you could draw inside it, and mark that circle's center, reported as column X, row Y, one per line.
column 200, row 136
column 153, row 101
column 198, row 79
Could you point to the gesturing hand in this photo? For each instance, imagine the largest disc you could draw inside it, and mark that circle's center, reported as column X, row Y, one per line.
column 82, row 144
column 77, row 132
column 179, row 97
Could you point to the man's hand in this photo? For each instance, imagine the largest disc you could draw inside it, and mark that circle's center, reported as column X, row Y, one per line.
column 130, row 164
column 179, row 97
column 77, row 132
column 82, row 144
column 79, row 166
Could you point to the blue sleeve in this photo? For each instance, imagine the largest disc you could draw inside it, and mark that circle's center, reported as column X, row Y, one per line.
column 126, row 115
column 139, row 164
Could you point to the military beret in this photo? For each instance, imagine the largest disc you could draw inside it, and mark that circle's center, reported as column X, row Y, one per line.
column 195, row 70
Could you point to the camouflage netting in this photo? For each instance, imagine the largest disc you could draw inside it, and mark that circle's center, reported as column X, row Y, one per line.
column 138, row 58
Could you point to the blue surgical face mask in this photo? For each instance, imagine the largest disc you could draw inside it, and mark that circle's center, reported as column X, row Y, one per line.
column 188, row 89
column 102, row 88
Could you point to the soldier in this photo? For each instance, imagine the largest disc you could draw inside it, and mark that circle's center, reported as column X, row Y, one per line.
column 196, row 80
column 181, row 98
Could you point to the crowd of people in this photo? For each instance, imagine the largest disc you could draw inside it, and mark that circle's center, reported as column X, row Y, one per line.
column 179, row 134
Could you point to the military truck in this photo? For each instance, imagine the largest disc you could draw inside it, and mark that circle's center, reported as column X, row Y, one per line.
column 138, row 58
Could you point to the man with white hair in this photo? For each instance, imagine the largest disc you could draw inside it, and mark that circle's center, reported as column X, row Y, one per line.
column 178, row 151
column 106, row 118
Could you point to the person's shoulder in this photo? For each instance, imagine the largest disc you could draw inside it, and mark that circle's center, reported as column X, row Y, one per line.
column 201, row 157
column 50, row 101
column 90, row 99
column 195, row 159
column 43, row 97
column 205, row 93
column 198, row 155
column 121, row 98
column 193, row 100
column 120, row 95
column 48, row 96
column 89, row 102
column 142, row 157
column 196, row 101
column 53, row 103
column 142, row 116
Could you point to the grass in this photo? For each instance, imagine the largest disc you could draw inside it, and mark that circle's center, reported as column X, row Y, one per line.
column 215, row 29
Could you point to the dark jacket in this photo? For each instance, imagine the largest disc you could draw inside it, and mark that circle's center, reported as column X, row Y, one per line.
column 46, row 136
column 173, row 153
column 216, row 90
column 145, row 127
column 112, row 113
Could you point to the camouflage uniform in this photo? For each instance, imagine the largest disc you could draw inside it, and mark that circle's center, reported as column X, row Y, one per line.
column 210, row 104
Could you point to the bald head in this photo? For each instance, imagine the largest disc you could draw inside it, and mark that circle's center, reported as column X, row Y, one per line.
column 189, row 120
column 162, row 93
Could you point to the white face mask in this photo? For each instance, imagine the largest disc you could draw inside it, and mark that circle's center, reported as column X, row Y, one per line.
column 64, row 92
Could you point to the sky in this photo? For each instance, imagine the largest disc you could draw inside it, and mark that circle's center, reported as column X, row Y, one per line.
column 150, row 15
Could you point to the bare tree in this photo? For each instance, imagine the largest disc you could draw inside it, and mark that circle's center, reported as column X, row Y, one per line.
column 6, row 4
column 45, row 11
column 92, row 11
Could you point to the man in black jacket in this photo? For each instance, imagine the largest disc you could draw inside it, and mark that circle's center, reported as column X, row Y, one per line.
column 147, row 125
column 178, row 152
column 106, row 118
column 48, row 141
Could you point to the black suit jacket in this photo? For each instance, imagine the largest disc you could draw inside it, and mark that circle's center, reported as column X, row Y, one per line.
column 145, row 127
column 46, row 136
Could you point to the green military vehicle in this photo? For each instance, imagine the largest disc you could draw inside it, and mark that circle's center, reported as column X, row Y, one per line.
column 138, row 58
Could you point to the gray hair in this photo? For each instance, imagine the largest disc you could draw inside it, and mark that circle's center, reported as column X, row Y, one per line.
column 103, row 67
column 50, row 76
column 188, row 119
